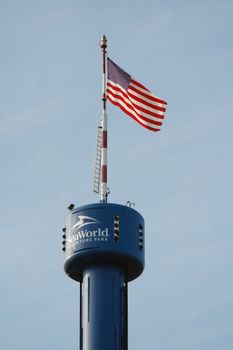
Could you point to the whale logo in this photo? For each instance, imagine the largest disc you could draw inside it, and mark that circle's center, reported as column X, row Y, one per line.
column 83, row 221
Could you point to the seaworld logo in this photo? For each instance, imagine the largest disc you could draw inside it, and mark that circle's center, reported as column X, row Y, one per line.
column 83, row 221
column 86, row 236
column 80, row 234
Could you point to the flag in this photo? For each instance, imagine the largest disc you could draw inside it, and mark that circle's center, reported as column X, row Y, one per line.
column 133, row 98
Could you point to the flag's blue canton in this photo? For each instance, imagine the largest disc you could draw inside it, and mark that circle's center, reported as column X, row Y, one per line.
column 118, row 75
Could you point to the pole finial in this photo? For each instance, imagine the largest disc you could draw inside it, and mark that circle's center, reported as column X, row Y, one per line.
column 103, row 43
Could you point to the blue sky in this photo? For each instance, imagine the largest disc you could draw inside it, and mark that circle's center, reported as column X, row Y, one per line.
column 180, row 178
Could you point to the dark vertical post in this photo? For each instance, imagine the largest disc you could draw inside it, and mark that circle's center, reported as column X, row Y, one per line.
column 126, row 318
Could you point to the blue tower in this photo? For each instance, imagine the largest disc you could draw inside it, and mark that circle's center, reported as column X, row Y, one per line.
column 103, row 246
column 103, row 250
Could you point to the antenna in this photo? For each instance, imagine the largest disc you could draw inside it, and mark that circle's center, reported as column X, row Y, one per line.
column 100, row 169
column 104, row 184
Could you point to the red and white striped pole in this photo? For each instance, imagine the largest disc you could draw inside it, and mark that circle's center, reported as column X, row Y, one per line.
column 103, row 184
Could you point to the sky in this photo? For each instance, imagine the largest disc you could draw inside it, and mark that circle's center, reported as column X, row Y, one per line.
column 180, row 178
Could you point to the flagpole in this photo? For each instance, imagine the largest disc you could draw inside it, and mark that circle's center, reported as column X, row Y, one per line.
column 103, row 185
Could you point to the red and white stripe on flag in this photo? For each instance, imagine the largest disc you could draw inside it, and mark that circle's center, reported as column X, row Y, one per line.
column 137, row 101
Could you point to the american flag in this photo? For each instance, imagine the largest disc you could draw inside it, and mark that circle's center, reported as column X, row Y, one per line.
column 133, row 98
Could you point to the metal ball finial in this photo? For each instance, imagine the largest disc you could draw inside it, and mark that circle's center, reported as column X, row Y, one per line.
column 103, row 43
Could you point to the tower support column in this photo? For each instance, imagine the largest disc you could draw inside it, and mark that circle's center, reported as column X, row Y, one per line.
column 103, row 246
column 104, row 308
